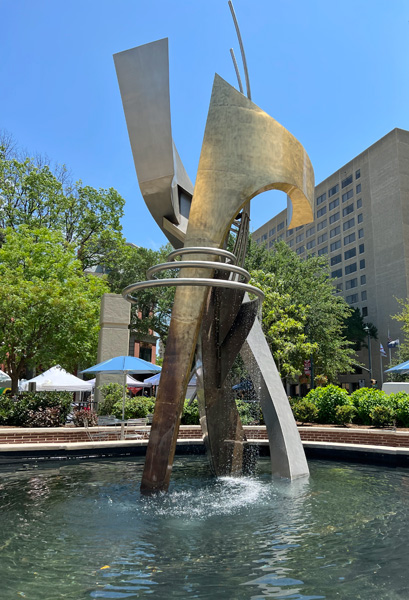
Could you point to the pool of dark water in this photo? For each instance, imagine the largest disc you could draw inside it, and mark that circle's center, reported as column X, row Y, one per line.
column 82, row 530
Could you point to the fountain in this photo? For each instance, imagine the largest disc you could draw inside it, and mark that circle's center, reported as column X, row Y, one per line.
column 244, row 152
column 82, row 531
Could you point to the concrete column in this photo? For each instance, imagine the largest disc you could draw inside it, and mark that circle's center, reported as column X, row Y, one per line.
column 113, row 335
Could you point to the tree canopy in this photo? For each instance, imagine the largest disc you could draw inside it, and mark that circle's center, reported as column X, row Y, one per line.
column 34, row 196
column 302, row 317
column 49, row 309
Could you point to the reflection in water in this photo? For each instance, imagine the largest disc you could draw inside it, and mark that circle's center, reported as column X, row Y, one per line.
column 83, row 531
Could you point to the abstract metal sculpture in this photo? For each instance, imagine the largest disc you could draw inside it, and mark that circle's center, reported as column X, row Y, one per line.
column 244, row 152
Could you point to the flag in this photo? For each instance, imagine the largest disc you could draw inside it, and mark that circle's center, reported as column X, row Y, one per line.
column 393, row 343
column 383, row 353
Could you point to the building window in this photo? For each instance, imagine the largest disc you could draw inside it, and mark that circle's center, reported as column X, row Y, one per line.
column 358, row 188
column 258, row 240
column 334, row 190
column 310, row 231
column 362, row 264
column 358, row 174
column 360, row 218
column 359, row 203
column 350, row 269
column 363, row 280
column 311, row 244
column 280, row 226
column 280, row 237
column 335, row 231
column 321, row 198
column 363, row 295
column 346, row 181
column 348, row 239
column 334, row 218
column 351, row 283
column 347, row 195
column 336, row 274
column 350, row 253
column 352, row 299
column 271, row 232
column 323, row 250
column 364, row 311
column 348, row 209
column 335, row 245
column 321, row 212
column 348, row 224
column 290, row 232
column 338, row 287
column 264, row 237
column 360, row 233
column 361, row 248
column 333, row 204
column 299, row 238
column 271, row 243
column 335, row 260
column 322, row 238
column 291, row 243
column 300, row 250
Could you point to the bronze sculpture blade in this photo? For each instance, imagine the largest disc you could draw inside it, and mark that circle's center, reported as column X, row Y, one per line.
column 244, row 153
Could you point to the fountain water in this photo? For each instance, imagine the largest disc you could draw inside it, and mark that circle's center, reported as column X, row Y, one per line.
column 83, row 531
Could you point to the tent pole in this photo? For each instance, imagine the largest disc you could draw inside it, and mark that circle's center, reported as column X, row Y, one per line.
column 123, row 409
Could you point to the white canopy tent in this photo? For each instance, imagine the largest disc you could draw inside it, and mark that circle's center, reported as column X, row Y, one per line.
column 57, row 379
column 130, row 382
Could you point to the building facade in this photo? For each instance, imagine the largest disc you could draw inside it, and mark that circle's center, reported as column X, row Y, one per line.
column 361, row 223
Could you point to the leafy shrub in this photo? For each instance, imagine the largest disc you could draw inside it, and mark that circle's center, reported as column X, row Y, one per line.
column 190, row 414
column 85, row 415
column 305, row 411
column 327, row 399
column 6, row 410
column 111, row 394
column 400, row 402
column 250, row 412
column 135, row 408
column 364, row 400
column 381, row 416
column 344, row 414
column 25, row 409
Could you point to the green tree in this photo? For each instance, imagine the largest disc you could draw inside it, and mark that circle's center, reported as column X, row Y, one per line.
column 355, row 330
column 49, row 310
column 32, row 194
column 302, row 315
column 284, row 324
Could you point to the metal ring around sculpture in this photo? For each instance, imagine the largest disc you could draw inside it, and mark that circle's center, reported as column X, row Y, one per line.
column 190, row 281
column 199, row 263
column 203, row 250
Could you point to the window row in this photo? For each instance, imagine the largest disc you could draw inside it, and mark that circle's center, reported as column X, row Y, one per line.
column 335, row 260
column 354, row 298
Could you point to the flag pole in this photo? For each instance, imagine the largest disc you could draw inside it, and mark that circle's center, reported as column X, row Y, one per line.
column 380, row 354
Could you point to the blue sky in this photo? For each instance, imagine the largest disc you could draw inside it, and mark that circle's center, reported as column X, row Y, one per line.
column 335, row 74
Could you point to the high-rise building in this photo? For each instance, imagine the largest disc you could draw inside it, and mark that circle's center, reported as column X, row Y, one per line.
column 361, row 222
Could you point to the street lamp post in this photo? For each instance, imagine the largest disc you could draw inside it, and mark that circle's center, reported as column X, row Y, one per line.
column 366, row 328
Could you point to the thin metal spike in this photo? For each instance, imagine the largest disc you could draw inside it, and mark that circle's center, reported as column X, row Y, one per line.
column 243, row 56
column 236, row 68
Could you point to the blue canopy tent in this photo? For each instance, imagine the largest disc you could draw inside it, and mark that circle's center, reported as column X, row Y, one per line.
column 191, row 388
column 125, row 365
column 403, row 368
